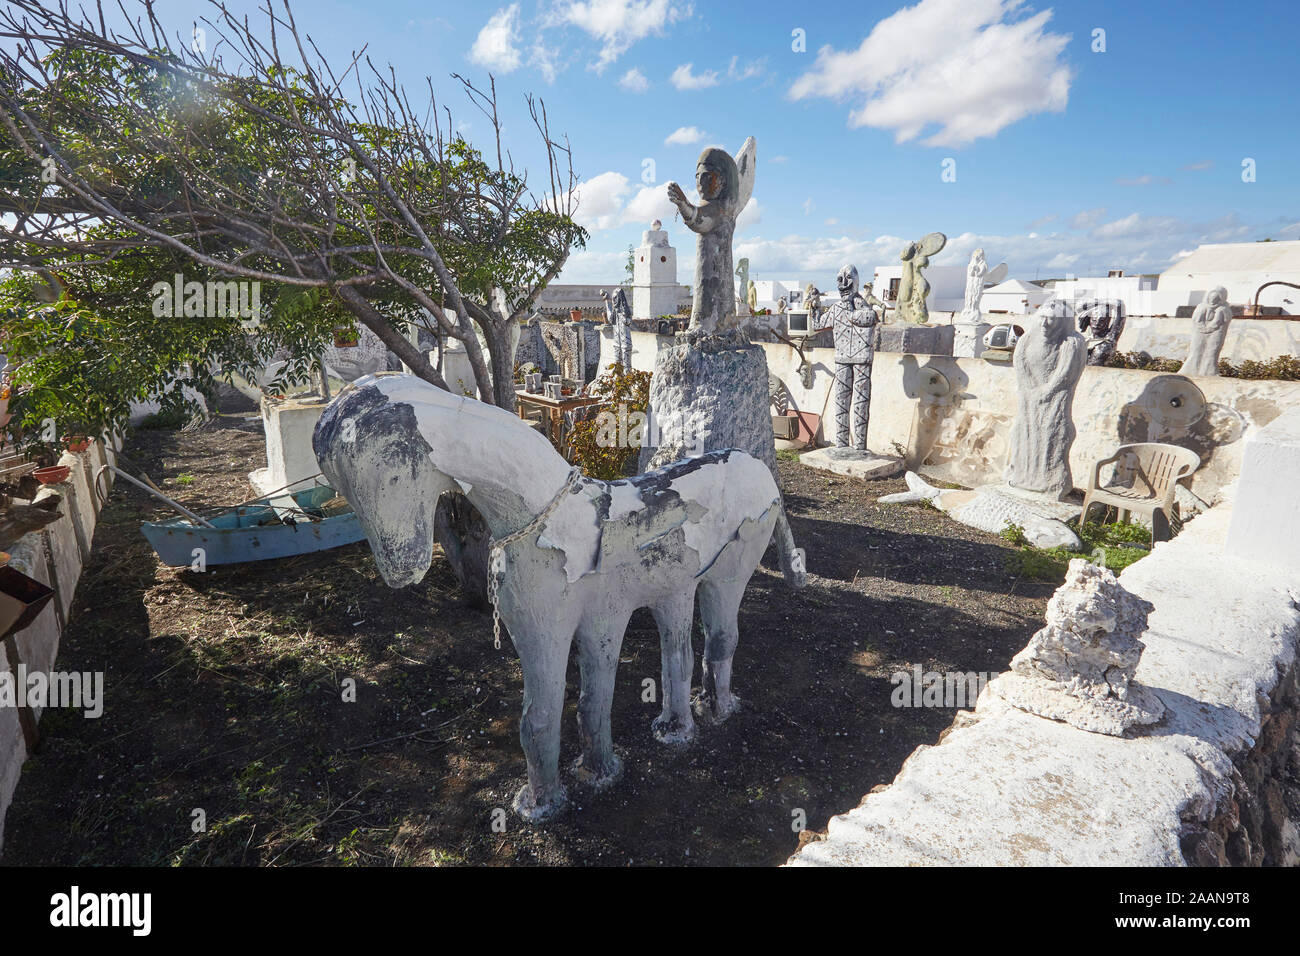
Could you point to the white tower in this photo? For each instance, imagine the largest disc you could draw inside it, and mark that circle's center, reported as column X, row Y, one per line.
column 654, row 275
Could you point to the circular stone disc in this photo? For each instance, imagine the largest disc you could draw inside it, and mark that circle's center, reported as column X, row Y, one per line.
column 932, row 243
column 933, row 382
column 1175, row 402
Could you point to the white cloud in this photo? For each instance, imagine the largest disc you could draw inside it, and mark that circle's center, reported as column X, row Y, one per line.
column 649, row 203
column 546, row 60
column 496, row 47
column 684, row 79
column 684, row 136
column 618, row 23
column 751, row 215
column 634, row 81
column 600, row 200
column 808, row 206
column 967, row 66
column 750, row 69
column 1087, row 218
column 779, row 159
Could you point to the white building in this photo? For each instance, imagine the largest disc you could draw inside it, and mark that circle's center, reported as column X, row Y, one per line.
column 1241, row 268
column 1014, row 297
column 947, row 285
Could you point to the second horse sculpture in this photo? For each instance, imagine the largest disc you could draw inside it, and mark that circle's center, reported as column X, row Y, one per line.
column 573, row 556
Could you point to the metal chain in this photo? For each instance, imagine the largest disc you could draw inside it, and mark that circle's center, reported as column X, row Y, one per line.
column 496, row 550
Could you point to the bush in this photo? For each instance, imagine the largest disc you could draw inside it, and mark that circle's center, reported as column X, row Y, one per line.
column 606, row 445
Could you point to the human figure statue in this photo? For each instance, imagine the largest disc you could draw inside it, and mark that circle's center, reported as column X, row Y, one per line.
column 1049, row 359
column 619, row 315
column 1209, row 330
column 812, row 298
column 853, row 320
column 752, row 297
column 780, row 306
column 724, row 185
column 1100, row 322
column 872, row 301
column 914, row 288
column 742, row 287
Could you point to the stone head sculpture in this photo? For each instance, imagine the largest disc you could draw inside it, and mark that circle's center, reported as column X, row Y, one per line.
column 1057, row 317
column 847, row 281
column 1217, row 296
column 716, row 177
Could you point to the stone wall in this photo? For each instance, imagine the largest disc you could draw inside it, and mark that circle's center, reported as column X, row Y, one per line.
column 962, row 437
column 54, row 556
column 1216, row 782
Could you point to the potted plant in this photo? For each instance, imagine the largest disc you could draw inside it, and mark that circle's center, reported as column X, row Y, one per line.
column 575, row 315
column 345, row 338
column 76, row 443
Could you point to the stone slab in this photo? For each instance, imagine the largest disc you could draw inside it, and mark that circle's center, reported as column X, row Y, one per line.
column 853, row 463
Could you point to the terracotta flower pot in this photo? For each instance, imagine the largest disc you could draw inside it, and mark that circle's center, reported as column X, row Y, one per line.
column 52, row 475
column 575, row 315
column 76, row 443
column 345, row 339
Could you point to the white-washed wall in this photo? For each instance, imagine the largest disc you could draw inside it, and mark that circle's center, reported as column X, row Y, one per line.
column 964, row 438
column 55, row 556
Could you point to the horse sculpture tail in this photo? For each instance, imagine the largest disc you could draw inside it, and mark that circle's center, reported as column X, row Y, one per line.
column 792, row 558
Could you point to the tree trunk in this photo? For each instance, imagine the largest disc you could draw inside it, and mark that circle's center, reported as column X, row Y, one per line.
column 465, row 540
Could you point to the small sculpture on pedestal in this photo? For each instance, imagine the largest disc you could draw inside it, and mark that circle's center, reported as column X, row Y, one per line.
column 853, row 321
column 619, row 315
column 1209, row 329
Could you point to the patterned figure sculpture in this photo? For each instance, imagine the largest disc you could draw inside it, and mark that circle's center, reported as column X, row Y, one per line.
column 853, row 320
column 1209, row 329
column 619, row 315
column 1100, row 322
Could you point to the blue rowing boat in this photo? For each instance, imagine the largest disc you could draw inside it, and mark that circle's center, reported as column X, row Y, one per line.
column 280, row 526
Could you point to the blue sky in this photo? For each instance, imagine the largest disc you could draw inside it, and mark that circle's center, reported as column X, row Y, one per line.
column 1066, row 159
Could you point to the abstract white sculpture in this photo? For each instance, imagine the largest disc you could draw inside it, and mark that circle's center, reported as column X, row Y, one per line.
column 574, row 556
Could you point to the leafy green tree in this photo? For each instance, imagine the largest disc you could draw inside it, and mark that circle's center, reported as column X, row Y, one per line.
column 126, row 158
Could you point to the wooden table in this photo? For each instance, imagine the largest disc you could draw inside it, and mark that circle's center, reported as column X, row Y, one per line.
column 553, row 409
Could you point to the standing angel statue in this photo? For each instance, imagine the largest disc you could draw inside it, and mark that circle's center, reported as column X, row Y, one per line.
column 724, row 185
column 978, row 275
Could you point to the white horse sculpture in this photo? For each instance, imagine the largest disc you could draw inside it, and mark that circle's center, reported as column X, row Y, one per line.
column 573, row 555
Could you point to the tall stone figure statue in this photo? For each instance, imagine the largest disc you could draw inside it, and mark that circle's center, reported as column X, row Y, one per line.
column 978, row 275
column 853, row 320
column 709, row 390
column 1049, row 360
column 914, row 288
column 742, row 287
column 1209, row 329
column 724, row 185
column 619, row 315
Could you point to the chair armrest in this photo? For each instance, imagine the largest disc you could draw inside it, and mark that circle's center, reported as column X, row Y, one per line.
column 1096, row 471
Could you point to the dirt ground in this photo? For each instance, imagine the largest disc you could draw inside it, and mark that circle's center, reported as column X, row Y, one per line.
column 223, row 695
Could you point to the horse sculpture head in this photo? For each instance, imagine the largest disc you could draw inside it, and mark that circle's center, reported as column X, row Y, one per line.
column 372, row 452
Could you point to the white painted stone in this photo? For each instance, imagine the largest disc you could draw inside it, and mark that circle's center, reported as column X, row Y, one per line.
column 1079, row 667
column 1266, row 519
column 288, row 424
column 992, row 508
column 853, row 463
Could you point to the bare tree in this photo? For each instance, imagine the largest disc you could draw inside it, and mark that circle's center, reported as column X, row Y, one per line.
column 247, row 153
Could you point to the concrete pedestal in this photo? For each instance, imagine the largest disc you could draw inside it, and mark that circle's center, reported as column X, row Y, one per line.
column 917, row 339
column 1266, row 511
column 853, row 463
column 968, row 338
column 288, row 424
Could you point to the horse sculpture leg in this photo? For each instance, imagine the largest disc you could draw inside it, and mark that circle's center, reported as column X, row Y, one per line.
column 719, row 607
column 674, row 616
column 598, row 648
column 544, row 658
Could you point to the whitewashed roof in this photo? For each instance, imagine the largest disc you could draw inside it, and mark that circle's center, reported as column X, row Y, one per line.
column 1014, row 286
column 1219, row 257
